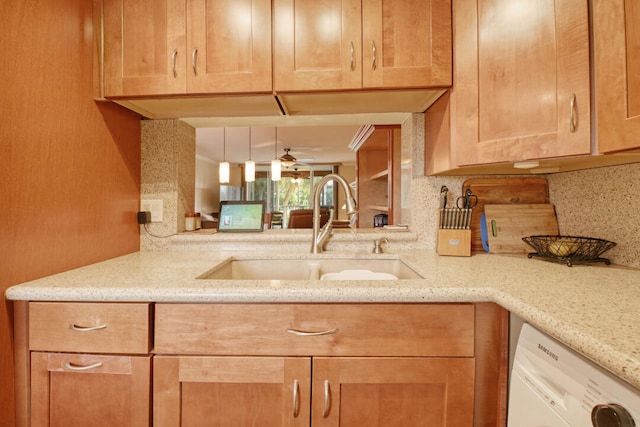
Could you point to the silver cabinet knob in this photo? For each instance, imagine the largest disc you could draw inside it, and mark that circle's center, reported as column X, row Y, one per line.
column 611, row 415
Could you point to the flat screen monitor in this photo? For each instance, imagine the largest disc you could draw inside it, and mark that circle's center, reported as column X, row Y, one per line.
column 241, row 216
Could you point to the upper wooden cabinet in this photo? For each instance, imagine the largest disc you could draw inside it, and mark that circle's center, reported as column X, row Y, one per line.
column 174, row 47
column 521, row 85
column 349, row 44
column 616, row 56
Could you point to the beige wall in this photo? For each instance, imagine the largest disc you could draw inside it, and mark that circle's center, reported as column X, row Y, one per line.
column 70, row 166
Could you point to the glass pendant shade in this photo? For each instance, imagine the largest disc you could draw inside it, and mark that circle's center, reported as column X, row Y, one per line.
column 249, row 171
column 276, row 170
column 224, row 172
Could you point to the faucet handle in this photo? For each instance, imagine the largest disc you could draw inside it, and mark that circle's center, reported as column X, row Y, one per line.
column 377, row 245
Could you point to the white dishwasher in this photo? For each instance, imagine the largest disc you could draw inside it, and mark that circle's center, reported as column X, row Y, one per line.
column 553, row 386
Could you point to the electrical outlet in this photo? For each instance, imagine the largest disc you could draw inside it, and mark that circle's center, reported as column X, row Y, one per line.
column 153, row 206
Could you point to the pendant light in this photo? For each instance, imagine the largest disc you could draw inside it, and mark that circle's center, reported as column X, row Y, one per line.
column 224, row 165
column 249, row 165
column 276, row 169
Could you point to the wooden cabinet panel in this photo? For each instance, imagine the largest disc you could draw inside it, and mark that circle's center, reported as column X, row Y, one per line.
column 229, row 44
column 346, row 44
column 88, row 390
column 89, row 327
column 352, row 329
column 393, row 392
column 519, row 69
column 317, row 45
column 406, row 43
column 144, row 47
column 231, row 391
column 175, row 47
column 616, row 49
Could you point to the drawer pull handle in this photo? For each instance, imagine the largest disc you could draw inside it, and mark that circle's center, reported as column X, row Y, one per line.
column 573, row 116
column 86, row 328
column 73, row 367
column 312, row 334
column 296, row 400
column 174, row 54
column 327, row 400
column 352, row 64
column 194, row 61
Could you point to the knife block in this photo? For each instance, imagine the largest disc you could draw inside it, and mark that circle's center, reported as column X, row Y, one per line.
column 454, row 242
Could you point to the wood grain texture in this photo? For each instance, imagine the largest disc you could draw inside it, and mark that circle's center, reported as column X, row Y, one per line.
column 502, row 191
column 363, row 329
column 616, row 47
column 70, row 166
column 513, row 87
column 508, row 224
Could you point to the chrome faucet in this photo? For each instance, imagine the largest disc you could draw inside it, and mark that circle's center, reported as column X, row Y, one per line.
column 320, row 236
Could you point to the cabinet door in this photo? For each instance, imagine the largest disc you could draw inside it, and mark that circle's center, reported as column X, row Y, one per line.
column 521, row 87
column 144, row 47
column 406, row 43
column 231, row 391
column 229, row 44
column 89, row 390
column 617, row 73
column 317, row 45
column 396, row 392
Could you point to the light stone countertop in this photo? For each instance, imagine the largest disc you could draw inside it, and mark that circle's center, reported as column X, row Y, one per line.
column 593, row 309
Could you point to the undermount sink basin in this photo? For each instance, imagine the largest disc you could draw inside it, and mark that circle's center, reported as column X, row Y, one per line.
column 311, row 269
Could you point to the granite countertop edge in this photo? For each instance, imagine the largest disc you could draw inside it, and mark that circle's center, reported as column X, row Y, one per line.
column 592, row 309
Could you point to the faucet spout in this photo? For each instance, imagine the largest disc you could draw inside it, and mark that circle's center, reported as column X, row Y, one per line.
column 320, row 236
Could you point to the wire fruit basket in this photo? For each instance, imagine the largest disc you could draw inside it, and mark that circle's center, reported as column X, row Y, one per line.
column 569, row 249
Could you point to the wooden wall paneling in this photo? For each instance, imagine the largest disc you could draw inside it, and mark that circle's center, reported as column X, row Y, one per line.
column 70, row 166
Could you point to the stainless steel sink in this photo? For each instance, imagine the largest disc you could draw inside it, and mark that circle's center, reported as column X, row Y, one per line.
column 311, row 269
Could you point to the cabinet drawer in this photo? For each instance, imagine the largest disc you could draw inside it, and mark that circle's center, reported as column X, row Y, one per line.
column 89, row 327
column 315, row 329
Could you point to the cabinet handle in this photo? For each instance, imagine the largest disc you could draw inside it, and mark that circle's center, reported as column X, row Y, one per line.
column 353, row 57
column 194, row 61
column 573, row 117
column 374, row 51
column 86, row 328
column 296, row 403
column 327, row 400
column 73, row 367
column 174, row 54
column 312, row 334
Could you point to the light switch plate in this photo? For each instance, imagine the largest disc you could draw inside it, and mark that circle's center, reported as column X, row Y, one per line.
column 153, row 206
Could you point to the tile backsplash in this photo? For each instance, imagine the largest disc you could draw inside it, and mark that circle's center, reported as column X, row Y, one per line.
column 602, row 203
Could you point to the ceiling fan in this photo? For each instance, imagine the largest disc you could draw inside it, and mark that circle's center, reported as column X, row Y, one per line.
column 287, row 160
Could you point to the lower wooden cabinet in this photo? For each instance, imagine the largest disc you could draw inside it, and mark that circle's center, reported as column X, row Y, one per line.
column 261, row 365
column 87, row 390
column 192, row 391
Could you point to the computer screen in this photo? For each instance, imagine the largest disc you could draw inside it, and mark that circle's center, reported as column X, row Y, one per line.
column 241, row 216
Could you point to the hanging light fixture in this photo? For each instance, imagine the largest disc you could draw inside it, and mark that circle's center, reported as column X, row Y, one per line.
column 249, row 165
column 276, row 168
column 287, row 159
column 224, row 165
column 296, row 177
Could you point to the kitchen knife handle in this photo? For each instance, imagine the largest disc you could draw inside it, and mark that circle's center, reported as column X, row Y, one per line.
column 573, row 116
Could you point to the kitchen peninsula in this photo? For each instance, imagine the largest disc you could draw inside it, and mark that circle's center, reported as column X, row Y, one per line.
column 587, row 307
